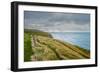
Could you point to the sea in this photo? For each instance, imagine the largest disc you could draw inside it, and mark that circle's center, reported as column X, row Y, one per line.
column 81, row 39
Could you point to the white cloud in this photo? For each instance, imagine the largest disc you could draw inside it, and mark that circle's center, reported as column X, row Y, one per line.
column 51, row 22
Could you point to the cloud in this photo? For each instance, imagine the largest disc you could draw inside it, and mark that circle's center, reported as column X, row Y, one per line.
column 56, row 21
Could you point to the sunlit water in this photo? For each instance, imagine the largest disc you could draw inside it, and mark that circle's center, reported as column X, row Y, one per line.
column 77, row 38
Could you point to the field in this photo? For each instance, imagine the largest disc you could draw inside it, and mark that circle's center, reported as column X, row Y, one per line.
column 41, row 46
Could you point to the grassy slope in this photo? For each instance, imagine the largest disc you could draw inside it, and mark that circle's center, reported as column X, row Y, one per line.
column 27, row 47
column 37, row 32
column 62, row 50
column 27, row 42
column 76, row 48
column 47, row 48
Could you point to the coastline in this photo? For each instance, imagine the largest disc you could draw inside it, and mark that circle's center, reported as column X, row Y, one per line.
column 48, row 48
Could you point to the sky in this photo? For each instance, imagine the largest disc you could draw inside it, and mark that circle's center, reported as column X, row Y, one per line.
column 57, row 21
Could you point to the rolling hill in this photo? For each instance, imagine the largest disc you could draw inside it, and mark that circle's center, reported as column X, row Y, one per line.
column 41, row 46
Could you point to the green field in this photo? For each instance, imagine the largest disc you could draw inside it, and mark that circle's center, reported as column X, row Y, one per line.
column 27, row 47
column 27, row 42
column 45, row 47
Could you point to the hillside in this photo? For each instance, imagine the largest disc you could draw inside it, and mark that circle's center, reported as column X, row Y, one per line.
column 37, row 32
column 50, row 49
column 42, row 48
column 27, row 41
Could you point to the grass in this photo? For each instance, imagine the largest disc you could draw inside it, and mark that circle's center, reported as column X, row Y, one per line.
column 27, row 47
column 61, row 49
column 27, row 42
column 84, row 52
column 47, row 48
column 38, row 32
